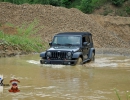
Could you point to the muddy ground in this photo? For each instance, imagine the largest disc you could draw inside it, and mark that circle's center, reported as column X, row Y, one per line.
column 109, row 32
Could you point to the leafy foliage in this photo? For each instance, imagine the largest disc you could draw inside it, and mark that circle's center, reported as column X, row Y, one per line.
column 128, row 10
column 55, row 2
column 44, row 1
column 86, row 6
column 118, row 2
column 98, row 3
column 65, row 3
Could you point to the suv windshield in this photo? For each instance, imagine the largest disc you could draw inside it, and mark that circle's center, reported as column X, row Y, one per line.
column 66, row 40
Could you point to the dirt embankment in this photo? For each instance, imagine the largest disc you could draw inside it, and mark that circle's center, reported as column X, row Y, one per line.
column 108, row 31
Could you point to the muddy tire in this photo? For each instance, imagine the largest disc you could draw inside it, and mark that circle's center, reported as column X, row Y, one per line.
column 93, row 57
column 41, row 62
column 79, row 61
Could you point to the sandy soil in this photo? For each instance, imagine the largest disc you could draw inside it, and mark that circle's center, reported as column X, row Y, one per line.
column 108, row 31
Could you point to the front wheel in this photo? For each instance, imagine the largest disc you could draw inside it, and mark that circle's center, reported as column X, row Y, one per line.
column 42, row 61
column 79, row 61
column 93, row 57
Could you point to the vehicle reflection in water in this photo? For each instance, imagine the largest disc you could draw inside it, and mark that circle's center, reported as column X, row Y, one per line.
column 92, row 81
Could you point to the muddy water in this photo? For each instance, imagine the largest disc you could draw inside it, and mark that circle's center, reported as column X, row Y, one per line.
column 93, row 81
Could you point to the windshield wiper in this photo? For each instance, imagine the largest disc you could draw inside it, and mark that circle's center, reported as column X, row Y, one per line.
column 56, row 44
column 68, row 44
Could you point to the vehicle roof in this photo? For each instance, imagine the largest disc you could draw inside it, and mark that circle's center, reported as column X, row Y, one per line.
column 74, row 33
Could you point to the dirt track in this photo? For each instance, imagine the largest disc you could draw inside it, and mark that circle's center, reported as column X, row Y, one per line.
column 108, row 31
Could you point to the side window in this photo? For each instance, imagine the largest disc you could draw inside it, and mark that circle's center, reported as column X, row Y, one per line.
column 83, row 40
column 87, row 39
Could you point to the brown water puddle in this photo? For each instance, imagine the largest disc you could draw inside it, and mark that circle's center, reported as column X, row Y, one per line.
column 93, row 81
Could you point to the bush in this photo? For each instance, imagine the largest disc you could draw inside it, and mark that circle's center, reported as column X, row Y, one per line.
column 98, row 3
column 117, row 2
column 55, row 2
column 65, row 3
column 86, row 6
column 127, row 10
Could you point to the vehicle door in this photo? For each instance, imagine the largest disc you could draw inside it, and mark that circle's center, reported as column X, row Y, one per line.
column 84, row 48
column 87, row 38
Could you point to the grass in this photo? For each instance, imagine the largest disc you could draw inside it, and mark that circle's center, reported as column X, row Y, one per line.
column 107, row 10
column 25, row 39
column 127, row 95
column 117, row 95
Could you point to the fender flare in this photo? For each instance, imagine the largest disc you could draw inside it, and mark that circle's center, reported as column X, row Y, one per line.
column 77, row 54
column 42, row 54
column 92, row 50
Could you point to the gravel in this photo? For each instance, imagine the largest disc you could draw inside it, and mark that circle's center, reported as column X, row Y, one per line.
column 108, row 31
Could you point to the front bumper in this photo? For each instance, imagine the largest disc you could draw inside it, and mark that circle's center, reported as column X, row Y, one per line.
column 63, row 62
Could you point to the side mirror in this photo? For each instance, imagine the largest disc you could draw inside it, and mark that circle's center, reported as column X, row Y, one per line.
column 50, row 44
column 85, row 43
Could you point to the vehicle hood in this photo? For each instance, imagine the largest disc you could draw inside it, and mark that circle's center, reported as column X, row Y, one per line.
column 64, row 48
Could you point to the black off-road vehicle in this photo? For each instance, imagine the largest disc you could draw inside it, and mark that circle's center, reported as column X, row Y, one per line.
column 69, row 48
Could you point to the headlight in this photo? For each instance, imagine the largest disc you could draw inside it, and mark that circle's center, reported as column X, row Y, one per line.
column 69, row 54
column 48, row 54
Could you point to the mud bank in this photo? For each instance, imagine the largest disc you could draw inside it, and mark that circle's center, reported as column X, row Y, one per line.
column 7, row 50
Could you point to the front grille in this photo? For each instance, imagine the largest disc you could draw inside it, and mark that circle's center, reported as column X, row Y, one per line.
column 58, row 55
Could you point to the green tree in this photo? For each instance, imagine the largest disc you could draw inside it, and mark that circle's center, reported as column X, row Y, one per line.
column 86, row 6
column 19, row 1
column 8, row 1
column 44, row 1
column 65, row 3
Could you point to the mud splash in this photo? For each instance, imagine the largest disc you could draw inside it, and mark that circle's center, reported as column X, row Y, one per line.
column 101, row 61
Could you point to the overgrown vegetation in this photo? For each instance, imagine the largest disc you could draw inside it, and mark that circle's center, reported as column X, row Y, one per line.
column 118, row 2
column 86, row 6
column 24, row 39
column 128, row 9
